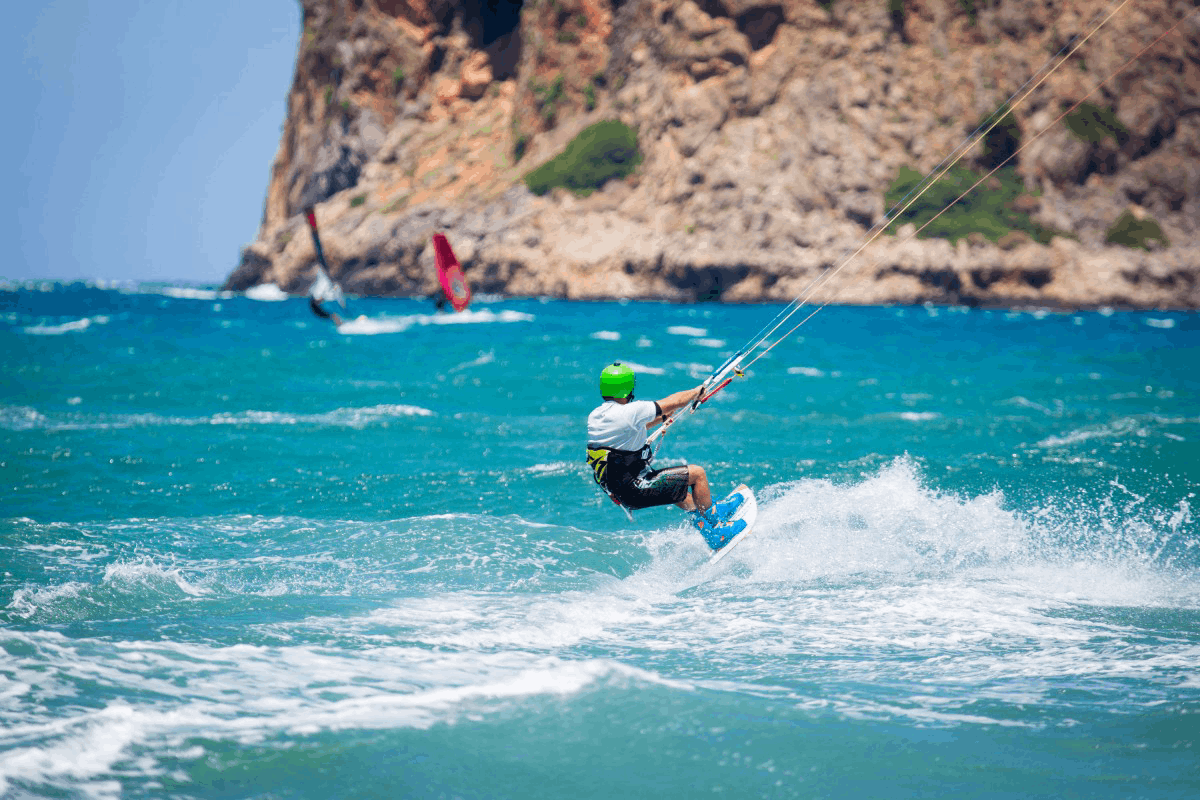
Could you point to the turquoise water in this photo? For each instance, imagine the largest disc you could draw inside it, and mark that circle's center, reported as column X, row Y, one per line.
column 246, row 555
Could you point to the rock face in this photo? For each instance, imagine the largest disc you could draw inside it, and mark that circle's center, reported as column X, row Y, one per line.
column 771, row 130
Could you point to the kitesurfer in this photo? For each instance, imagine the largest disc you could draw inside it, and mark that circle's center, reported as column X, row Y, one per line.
column 620, row 458
column 315, row 305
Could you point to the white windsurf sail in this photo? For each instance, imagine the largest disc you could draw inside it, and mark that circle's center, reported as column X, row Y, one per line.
column 325, row 289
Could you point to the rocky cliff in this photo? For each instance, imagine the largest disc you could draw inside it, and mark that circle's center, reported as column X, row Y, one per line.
column 770, row 130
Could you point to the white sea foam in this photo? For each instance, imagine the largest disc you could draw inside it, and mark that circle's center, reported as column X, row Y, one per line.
column 687, row 330
column 370, row 326
column 714, row 343
column 810, row 372
column 484, row 358
column 342, row 417
column 918, row 416
column 554, row 468
column 248, row 694
column 266, row 292
column 27, row 602
column 145, row 572
column 642, row 369
column 190, row 293
column 607, row 336
column 1165, row 324
column 21, row 418
column 66, row 327
column 1117, row 428
column 80, row 600
column 693, row 369
column 24, row 418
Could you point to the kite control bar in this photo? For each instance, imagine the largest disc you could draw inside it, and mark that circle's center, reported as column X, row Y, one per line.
column 700, row 400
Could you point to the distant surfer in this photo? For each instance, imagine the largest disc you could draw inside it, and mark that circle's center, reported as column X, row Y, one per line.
column 620, row 458
column 315, row 305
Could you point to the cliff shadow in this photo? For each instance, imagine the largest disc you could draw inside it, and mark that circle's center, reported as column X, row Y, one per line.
column 494, row 27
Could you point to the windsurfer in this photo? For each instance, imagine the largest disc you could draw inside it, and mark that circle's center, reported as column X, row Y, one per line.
column 315, row 305
column 620, row 458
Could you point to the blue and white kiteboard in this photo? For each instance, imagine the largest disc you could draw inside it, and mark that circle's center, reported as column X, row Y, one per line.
column 747, row 511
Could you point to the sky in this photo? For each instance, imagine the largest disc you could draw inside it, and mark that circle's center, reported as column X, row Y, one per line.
column 143, row 135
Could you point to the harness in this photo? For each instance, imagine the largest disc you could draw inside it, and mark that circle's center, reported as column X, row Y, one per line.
column 624, row 462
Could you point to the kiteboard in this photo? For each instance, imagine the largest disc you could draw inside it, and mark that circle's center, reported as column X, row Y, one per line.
column 450, row 274
column 747, row 511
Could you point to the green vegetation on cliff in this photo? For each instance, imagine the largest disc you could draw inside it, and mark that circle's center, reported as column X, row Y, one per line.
column 599, row 153
column 1094, row 124
column 993, row 208
column 1131, row 231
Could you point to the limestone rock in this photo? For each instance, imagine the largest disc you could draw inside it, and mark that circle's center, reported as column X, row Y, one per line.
column 770, row 129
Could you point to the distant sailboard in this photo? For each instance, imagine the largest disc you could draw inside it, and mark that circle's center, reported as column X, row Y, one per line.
column 747, row 511
column 323, row 289
column 450, row 274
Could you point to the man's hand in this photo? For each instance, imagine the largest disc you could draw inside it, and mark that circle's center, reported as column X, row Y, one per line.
column 674, row 402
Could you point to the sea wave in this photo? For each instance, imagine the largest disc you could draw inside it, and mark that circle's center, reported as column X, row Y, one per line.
column 139, row 585
column 66, row 327
column 1139, row 427
column 247, row 695
column 21, row 418
column 266, row 292
column 370, row 326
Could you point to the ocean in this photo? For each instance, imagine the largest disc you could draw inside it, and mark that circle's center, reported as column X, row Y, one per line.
column 246, row 555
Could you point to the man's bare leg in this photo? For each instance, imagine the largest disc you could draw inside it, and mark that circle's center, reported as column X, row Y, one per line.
column 701, row 496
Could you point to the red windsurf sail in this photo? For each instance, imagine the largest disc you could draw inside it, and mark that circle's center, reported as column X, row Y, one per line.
column 450, row 274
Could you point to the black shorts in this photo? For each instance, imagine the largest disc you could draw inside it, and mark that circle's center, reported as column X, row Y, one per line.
column 656, row 487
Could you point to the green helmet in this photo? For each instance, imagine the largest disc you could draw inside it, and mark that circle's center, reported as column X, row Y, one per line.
column 617, row 381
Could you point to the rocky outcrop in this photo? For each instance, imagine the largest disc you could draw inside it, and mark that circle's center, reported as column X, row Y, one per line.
column 771, row 131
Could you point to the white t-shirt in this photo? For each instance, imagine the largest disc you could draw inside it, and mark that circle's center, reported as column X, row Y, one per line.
column 622, row 427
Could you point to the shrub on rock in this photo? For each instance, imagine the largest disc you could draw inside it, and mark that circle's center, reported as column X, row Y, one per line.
column 599, row 153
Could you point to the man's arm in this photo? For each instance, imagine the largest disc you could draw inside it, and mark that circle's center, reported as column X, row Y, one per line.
column 674, row 402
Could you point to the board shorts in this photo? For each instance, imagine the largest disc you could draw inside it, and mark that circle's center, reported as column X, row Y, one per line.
column 653, row 487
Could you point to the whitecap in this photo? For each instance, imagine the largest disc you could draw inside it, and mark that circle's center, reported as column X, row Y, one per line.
column 643, row 369
column 27, row 602
column 607, row 336
column 66, row 327
column 554, row 468
column 687, row 330
column 370, row 326
column 1120, row 427
column 21, row 418
column 149, row 574
column 266, row 292
column 188, row 293
column 24, row 418
column 693, row 369
column 484, row 358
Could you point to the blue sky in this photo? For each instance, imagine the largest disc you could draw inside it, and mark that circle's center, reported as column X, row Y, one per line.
column 143, row 134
